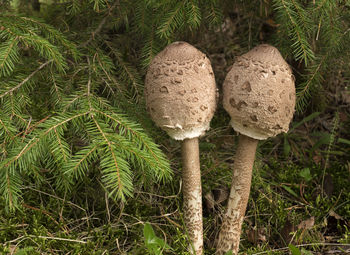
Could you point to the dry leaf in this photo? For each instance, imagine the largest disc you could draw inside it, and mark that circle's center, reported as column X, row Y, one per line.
column 13, row 249
column 254, row 235
column 271, row 23
column 345, row 94
column 335, row 215
column 221, row 195
column 328, row 185
column 209, row 200
column 307, row 224
column 287, row 232
column 317, row 158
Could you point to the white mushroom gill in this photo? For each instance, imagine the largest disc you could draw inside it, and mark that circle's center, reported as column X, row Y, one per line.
column 178, row 133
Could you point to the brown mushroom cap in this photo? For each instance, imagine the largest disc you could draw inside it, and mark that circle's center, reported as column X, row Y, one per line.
column 259, row 93
column 180, row 91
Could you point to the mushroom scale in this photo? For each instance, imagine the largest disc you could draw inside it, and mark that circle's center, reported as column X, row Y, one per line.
column 259, row 93
column 180, row 91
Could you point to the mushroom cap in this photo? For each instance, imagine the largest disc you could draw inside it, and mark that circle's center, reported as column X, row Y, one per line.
column 259, row 93
column 180, row 91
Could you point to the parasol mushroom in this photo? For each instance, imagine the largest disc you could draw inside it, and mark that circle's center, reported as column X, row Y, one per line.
column 259, row 95
column 180, row 94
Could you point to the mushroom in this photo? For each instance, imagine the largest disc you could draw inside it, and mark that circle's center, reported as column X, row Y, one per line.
column 180, row 95
column 259, row 95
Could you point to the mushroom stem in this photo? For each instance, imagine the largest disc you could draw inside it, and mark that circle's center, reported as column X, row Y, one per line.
column 230, row 232
column 192, row 194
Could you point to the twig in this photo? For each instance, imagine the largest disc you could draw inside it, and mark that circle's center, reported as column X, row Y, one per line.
column 58, row 238
column 331, row 143
column 26, row 79
column 303, row 245
column 100, row 26
column 50, row 195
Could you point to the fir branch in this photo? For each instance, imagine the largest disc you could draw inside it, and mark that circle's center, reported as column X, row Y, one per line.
column 116, row 172
column 101, row 24
column 61, row 147
column 162, row 166
column 29, row 38
column 142, row 20
column 55, row 123
column 151, row 47
column 80, row 163
column 19, row 85
column 193, row 14
column 8, row 134
column 55, row 91
column 8, row 56
column 14, row 107
column 127, row 73
column 304, row 89
column 45, row 49
column 10, row 187
column 173, row 20
column 214, row 15
column 288, row 16
column 49, row 32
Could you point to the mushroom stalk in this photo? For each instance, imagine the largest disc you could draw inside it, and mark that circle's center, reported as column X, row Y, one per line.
column 192, row 194
column 229, row 236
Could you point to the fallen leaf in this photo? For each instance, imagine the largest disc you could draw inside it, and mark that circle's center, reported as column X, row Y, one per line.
column 271, row 23
column 345, row 94
column 13, row 249
column 335, row 215
column 317, row 158
column 221, row 195
column 209, row 200
column 307, row 224
column 255, row 235
column 287, row 232
column 328, row 185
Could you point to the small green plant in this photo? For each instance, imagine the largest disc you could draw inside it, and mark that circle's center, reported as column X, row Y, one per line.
column 346, row 237
column 154, row 244
column 295, row 251
column 25, row 251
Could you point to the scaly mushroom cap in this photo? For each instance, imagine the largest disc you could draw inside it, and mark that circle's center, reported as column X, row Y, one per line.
column 259, row 93
column 180, row 91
